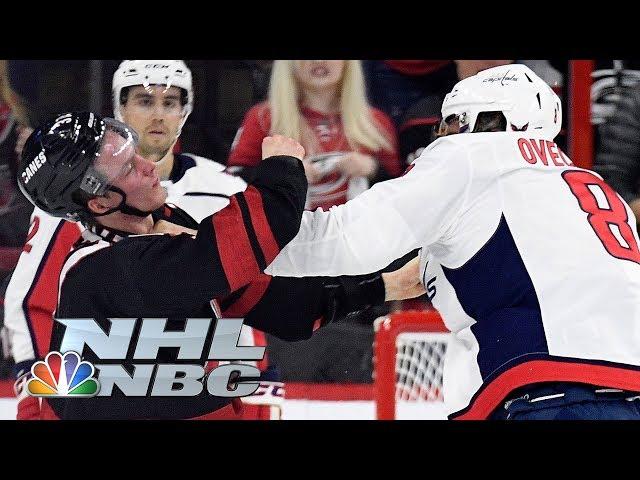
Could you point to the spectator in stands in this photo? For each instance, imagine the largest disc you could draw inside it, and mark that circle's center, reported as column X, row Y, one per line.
column 411, row 93
column 618, row 153
column 15, row 210
column 468, row 68
column 418, row 127
column 322, row 104
column 395, row 85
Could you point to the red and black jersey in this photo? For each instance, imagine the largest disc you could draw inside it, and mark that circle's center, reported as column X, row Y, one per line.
column 32, row 293
column 114, row 276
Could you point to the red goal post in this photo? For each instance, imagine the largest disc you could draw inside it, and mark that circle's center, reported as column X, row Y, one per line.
column 580, row 144
column 409, row 349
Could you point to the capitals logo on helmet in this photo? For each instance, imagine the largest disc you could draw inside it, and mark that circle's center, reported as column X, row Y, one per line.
column 172, row 73
column 526, row 101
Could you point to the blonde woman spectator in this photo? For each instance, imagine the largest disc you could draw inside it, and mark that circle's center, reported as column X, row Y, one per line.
column 323, row 105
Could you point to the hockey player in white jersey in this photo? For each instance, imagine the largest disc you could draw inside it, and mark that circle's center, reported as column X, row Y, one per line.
column 535, row 263
column 155, row 97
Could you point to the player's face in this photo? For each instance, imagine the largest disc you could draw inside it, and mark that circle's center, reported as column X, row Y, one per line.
column 133, row 174
column 155, row 113
column 318, row 74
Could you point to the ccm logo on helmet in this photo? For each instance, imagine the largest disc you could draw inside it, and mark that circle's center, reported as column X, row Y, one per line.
column 156, row 65
column 33, row 167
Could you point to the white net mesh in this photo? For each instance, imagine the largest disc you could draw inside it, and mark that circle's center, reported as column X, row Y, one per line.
column 409, row 354
column 419, row 364
column 419, row 368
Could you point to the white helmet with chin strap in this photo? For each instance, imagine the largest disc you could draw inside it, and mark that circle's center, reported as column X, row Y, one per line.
column 526, row 101
column 172, row 73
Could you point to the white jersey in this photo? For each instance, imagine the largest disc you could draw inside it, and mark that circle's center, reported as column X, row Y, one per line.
column 203, row 189
column 532, row 262
column 197, row 185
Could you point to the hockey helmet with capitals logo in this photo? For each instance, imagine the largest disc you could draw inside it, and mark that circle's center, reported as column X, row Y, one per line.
column 172, row 73
column 527, row 102
column 59, row 159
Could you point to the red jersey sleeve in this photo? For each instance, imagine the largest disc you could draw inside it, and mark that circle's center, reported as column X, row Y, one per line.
column 246, row 150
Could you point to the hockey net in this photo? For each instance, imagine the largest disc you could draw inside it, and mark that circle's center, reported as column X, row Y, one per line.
column 409, row 350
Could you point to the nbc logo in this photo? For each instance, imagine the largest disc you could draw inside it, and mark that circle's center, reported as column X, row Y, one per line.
column 62, row 376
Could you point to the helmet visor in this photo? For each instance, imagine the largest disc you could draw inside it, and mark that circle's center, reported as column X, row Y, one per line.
column 113, row 159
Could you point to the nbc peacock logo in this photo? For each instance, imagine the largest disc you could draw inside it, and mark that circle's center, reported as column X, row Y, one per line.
column 62, row 376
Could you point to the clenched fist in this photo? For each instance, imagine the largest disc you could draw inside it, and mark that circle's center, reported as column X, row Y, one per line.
column 280, row 145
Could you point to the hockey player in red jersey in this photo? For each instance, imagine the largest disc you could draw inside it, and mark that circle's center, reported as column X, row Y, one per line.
column 80, row 166
column 155, row 98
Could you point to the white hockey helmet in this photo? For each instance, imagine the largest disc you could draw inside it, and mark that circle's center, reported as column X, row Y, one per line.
column 172, row 73
column 526, row 101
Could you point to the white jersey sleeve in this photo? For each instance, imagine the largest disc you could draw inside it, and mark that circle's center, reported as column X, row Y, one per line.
column 204, row 189
column 381, row 225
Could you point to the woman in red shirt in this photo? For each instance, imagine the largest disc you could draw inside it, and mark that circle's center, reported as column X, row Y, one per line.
column 323, row 105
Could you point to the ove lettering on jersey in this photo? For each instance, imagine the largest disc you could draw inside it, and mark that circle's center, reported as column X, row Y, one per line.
column 545, row 151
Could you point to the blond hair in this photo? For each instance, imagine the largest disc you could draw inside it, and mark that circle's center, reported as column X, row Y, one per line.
column 10, row 97
column 4, row 82
column 360, row 128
